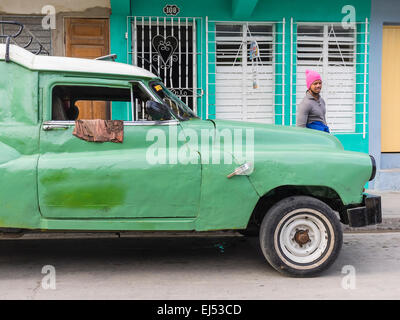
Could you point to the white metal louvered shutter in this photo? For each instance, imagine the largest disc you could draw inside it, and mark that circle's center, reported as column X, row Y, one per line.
column 235, row 96
column 330, row 50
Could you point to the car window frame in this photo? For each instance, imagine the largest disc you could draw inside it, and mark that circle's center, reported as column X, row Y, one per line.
column 123, row 84
column 155, row 98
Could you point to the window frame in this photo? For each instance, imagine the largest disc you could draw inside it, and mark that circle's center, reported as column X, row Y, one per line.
column 246, row 112
column 122, row 84
column 325, row 65
column 48, row 46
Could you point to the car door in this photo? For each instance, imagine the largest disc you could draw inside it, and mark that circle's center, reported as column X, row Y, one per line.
column 78, row 179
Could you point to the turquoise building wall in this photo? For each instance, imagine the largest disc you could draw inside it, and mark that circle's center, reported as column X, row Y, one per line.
column 248, row 10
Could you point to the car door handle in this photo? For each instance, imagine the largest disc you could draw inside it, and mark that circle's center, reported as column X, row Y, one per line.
column 48, row 127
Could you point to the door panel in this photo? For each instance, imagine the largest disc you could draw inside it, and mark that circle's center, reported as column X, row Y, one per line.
column 86, row 38
column 87, row 51
column 80, row 179
column 390, row 138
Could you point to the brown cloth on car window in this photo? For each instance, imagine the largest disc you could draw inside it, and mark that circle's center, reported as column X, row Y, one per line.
column 99, row 130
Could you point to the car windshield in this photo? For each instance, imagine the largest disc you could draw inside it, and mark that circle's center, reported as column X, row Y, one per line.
column 179, row 109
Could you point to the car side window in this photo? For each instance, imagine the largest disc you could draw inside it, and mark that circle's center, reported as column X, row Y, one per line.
column 71, row 103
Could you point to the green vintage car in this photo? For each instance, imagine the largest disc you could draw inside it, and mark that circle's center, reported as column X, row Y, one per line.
column 173, row 171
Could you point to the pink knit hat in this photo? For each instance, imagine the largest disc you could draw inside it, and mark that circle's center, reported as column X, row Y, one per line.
column 312, row 76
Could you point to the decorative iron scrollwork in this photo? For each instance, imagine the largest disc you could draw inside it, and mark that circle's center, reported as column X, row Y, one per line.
column 184, row 92
column 165, row 48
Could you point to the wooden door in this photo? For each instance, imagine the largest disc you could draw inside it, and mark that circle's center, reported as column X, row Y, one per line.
column 88, row 38
column 390, row 116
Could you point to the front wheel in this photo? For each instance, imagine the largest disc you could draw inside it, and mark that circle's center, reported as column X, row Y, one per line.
column 300, row 236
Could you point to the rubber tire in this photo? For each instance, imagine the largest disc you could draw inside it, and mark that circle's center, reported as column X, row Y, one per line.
column 269, row 227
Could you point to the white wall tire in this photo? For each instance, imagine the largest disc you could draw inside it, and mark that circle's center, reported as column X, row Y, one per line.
column 300, row 236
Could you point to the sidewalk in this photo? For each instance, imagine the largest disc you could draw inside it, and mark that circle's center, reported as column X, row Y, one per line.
column 390, row 213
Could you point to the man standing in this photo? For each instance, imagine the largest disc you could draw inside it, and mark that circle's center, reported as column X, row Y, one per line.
column 311, row 111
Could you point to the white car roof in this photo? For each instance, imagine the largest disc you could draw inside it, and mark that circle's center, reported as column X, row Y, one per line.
column 50, row 63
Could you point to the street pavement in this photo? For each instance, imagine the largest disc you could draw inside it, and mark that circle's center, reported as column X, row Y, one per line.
column 196, row 267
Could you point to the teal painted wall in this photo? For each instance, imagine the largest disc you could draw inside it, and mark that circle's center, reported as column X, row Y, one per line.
column 229, row 10
column 265, row 10
column 120, row 9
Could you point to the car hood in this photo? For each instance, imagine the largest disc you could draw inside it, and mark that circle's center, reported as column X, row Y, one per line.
column 279, row 137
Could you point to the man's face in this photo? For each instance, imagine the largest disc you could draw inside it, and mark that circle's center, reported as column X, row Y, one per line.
column 316, row 86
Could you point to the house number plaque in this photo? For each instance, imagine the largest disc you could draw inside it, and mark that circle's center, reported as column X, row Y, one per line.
column 171, row 10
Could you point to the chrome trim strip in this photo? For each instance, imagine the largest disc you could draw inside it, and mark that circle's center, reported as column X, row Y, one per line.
column 47, row 127
column 151, row 123
column 61, row 124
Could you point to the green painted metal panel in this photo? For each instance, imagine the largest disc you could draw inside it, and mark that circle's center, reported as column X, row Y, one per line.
column 297, row 156
column 19, row 143
column 80, row 179
column 224, row 203
column 18, row 103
